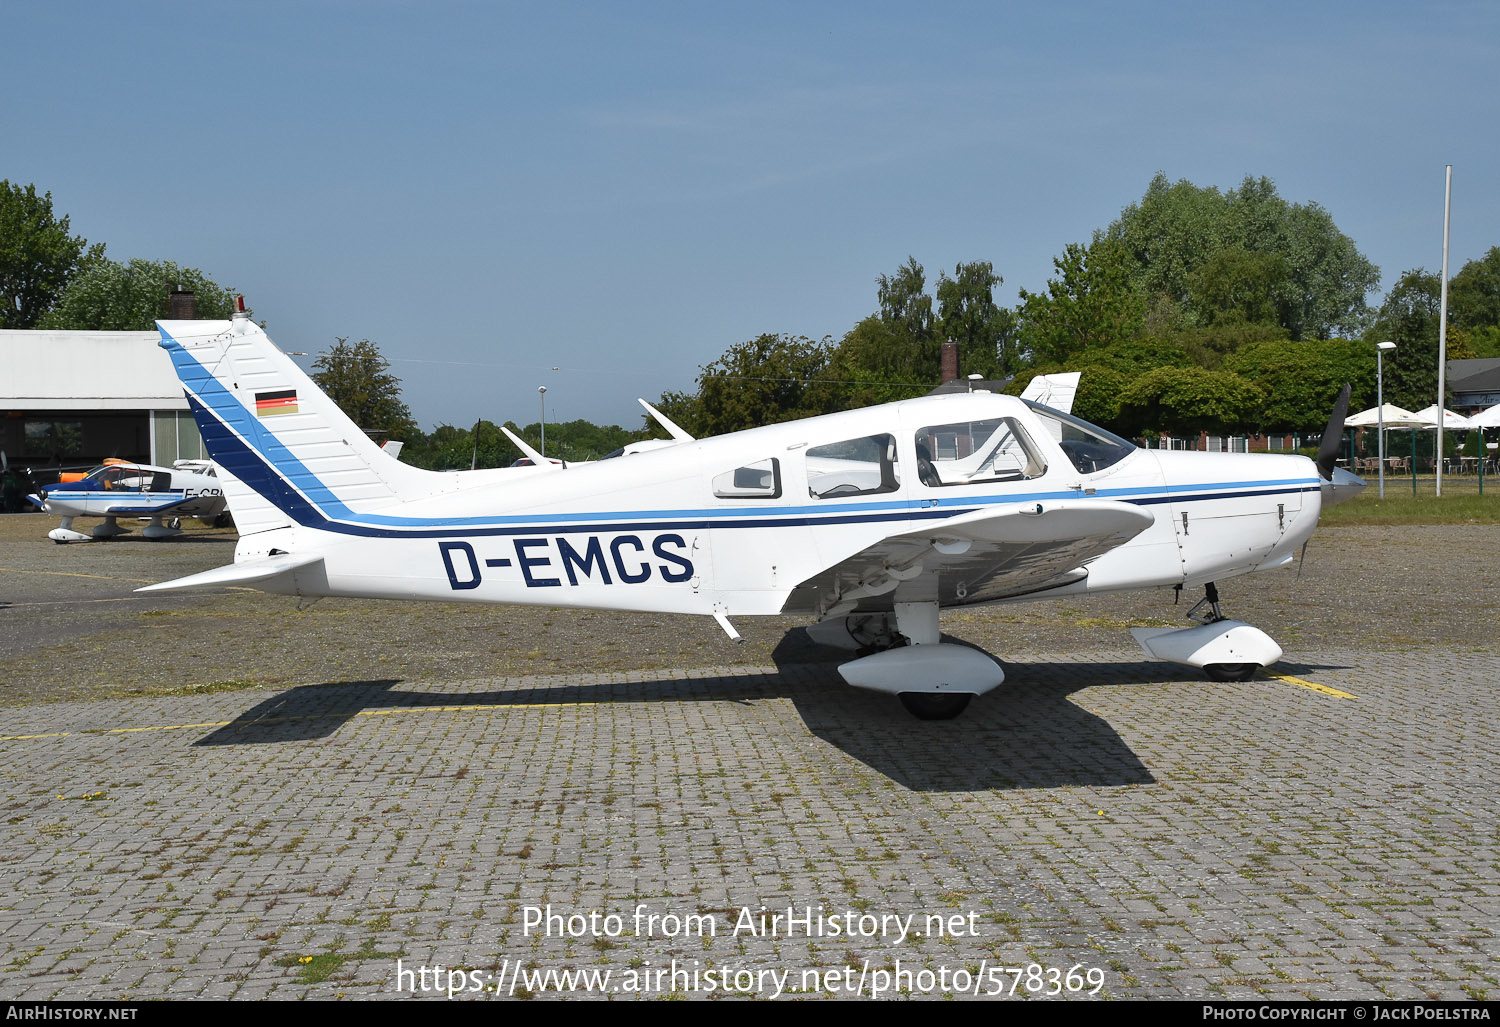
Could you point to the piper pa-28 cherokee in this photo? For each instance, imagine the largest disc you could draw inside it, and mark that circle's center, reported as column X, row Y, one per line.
column 868, row 521
column 115, row 489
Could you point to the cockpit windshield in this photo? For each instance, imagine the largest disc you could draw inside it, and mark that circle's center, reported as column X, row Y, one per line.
column 1089, row 447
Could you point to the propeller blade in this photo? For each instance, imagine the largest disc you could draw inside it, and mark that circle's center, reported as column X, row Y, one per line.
column 1328, row 449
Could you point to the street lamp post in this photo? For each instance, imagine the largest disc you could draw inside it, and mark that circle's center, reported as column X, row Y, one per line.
column 541, row 394
column 1381, row 349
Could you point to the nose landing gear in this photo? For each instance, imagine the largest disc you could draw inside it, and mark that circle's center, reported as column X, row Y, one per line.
column 1224, row 649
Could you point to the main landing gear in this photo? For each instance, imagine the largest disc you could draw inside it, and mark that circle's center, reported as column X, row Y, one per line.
column 1224, row 649
column 934, row 680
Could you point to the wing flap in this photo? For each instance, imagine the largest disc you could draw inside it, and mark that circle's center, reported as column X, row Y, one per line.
column 975, row 557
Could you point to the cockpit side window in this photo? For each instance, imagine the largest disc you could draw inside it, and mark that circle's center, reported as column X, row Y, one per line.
column 969, row 452
column 854, row 467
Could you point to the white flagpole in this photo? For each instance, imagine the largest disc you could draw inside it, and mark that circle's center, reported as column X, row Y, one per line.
column 1443, row 331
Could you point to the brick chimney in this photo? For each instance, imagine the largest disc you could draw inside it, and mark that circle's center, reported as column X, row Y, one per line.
column 949, row 362
column 182, row 305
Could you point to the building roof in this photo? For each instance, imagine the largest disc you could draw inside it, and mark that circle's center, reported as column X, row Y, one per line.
column 1481, row 375
column 42, row 370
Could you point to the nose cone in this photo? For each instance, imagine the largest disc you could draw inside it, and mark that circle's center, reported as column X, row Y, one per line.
column 1345, row 485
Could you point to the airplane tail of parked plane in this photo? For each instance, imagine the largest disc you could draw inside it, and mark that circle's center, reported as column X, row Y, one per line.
column 287, row 454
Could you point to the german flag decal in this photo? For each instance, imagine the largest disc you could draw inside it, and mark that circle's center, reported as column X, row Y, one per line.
column 268, row 403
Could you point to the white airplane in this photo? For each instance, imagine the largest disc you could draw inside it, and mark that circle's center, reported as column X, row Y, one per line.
column 868, row 521
column 115, row 489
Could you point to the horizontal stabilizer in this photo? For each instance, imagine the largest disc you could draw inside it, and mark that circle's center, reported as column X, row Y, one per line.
column 247, row 573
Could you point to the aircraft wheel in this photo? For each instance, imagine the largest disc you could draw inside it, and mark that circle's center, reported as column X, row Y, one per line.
column 59, row 541
column 1231, row 671
column 935, row 705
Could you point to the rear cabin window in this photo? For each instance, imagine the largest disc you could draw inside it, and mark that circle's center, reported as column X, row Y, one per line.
column 970, row 452
column 760, row 480
column 854, row 467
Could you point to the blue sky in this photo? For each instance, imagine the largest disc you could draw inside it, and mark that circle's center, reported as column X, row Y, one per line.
column 622, row 191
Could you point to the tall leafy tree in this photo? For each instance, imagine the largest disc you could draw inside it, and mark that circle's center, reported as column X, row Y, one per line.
column 766, row 379
column 969, row 316
column 1474, row 293
column 358, row 379
column 1169, row 234
column 1301, row 380
column 1409, row 317
column 904, row 303
column 1187, row 400
column 110, row 296
column 1247, row 253
column 37, row 255
column 1091, row 304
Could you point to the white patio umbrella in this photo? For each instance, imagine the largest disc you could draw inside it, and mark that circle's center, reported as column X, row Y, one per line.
column 1395, row 417
column 1451, row 421
column 1489, row 418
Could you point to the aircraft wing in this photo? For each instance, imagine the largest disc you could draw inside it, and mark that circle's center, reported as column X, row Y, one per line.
column 974, row 557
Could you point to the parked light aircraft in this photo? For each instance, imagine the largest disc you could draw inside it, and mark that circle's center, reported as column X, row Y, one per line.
column 867, row 521
column 115, row 489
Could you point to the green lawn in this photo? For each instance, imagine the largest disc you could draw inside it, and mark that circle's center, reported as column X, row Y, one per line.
column 1460, row 503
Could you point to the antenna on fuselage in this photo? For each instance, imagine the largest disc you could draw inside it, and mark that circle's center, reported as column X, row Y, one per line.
column 536, row 458
column 666, row 422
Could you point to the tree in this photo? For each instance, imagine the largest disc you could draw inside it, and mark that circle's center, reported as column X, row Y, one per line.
column 1474, row 293
column 1090, row 305
column 1169, row 234
column 37, row 255
column 904, row 302
column 877, row 363
column 769, row 378
column 1301, row 380
column 358, row 379
column 1409, row 318
column 1286, row 263
column 1238, row 286
column 113, row 297
column 968, row 315
column 1187, row 400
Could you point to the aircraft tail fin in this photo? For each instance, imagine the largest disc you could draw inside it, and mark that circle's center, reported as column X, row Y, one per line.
column 286, row 453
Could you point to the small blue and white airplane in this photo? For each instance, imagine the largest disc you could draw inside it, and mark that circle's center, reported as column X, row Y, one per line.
column 115, row 489
column 868, row 521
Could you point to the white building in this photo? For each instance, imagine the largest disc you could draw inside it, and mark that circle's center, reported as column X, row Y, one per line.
column 77, row 397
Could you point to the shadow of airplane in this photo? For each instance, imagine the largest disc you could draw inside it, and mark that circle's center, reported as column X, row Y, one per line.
column 309, row 712
column 1026, row 734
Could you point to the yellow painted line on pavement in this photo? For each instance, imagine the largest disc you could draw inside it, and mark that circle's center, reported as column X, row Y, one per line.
column 73, row 574
column 1313, row 685
column 307, row 716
